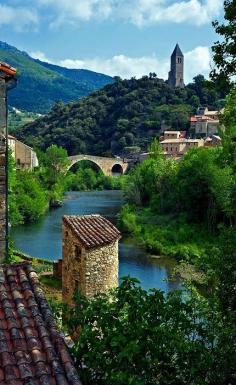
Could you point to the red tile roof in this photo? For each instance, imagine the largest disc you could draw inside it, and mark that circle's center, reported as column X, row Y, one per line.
column 92, row 230
column 6, row 69
column 32, row 351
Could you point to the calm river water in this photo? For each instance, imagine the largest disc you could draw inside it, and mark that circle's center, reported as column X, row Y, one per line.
column 43, row 239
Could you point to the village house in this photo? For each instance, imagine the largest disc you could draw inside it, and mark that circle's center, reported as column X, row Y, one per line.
column 205, row 123
column 212, row 141
column 174, row 144
column 90, row 256
column 24, row 156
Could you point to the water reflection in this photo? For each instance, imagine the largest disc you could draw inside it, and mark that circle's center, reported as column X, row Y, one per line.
column 43, row 239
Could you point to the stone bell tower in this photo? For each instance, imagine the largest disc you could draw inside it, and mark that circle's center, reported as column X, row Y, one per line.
column 7, row 81
column 176, row 74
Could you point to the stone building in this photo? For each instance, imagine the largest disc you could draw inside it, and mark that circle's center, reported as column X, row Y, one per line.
column 205, row 123
column 23, row 155
column 177, row 147
column 176, row 74
column 7, row 81
column 90, row 256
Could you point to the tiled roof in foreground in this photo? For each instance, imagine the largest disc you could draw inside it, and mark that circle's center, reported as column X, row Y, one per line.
column 32, row 352
column 92, row 230
column 6, row 69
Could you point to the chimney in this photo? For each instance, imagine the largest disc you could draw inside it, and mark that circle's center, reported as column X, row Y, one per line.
column 7, row 81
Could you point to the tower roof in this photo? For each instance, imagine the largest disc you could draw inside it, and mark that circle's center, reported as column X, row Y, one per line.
column 92, row 230
column 177, row 51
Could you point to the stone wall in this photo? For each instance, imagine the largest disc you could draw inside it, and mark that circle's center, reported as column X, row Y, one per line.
column 88, row 270
column 2, row 169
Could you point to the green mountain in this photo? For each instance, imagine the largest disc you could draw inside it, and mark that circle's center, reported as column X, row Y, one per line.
column 123, row 114
column 41, row 84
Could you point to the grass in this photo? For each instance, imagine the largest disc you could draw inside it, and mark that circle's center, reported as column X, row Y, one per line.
column 51, row 282
column 167, row 235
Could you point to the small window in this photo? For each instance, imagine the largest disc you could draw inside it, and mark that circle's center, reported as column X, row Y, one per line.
column 166, row 149
column 18, row 162
column 78, row 253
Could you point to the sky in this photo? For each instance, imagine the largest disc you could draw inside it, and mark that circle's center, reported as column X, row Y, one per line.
column 116, row 37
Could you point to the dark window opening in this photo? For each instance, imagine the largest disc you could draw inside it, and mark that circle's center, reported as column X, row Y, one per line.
column 78, row 253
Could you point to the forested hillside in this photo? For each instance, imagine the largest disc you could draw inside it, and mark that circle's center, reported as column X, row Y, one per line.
column 40, row 84
column 125, row 113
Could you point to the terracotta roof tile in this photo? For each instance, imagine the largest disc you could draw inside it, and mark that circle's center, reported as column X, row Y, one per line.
column 32, row 351
column 92, row 230
column 6, row 69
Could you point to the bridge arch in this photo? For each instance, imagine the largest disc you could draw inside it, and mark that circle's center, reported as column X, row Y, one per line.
column 117, row 169
column 98, row 166
column 109, row 166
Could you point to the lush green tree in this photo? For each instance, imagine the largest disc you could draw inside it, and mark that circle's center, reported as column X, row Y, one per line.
column 224, row 51
column 131, row 336
column 14, row 214
column 228, row 120
column 54, row 167
column 30, row 197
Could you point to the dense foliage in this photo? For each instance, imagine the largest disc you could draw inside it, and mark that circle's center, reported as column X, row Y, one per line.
column 176, row 208
column 40, row 85
column 131, row 336
column 33, row 192
column 85, row 177
column 125, row 114
column 224, row 51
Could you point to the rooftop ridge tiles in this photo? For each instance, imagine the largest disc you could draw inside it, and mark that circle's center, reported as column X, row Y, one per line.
column 91, row 227
column 92, row 230
column 29, row 335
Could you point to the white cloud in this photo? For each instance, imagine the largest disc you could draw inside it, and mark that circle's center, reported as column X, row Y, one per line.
column 40, row 55
column 196, row 61
column 195, row 12
column 138, row 12
column 17, row 17
column 72, row 11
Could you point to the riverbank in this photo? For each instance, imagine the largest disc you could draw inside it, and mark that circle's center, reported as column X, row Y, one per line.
column 166, row 235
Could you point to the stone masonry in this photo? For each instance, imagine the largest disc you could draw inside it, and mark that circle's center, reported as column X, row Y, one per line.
column 90, row 256
column 2, row 168
column 176, row 74
column 107, row 165
column 7, row 81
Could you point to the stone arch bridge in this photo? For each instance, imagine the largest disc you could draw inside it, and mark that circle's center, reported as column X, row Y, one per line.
column 109, row 166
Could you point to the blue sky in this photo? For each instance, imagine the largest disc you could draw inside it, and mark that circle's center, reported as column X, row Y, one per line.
column 117, row 37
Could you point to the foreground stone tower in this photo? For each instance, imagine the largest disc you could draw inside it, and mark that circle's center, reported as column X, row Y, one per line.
column 90, row 256
column 176, row 74
column 7, row 81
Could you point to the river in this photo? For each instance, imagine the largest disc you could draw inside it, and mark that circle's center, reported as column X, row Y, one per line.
column 43, row 238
